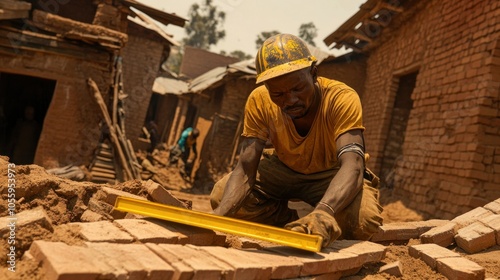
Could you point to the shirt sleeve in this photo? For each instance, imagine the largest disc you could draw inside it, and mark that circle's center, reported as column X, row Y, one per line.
column 255, row 123
column 348, row 113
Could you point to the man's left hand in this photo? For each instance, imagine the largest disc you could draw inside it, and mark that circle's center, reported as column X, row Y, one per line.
column 317, row 222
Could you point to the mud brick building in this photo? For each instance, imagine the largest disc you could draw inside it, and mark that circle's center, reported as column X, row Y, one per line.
column 48, row 50
column 431, row 98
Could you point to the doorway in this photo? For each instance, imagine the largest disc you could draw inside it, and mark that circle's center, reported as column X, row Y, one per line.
column 24, row 101
column 393, row 150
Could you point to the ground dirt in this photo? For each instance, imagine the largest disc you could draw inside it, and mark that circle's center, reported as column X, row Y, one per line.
column 65, row 201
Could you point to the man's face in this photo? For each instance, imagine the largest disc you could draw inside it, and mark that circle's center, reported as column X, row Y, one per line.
column 293, row 92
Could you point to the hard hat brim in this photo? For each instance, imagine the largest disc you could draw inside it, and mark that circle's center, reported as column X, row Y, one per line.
column 285, row 69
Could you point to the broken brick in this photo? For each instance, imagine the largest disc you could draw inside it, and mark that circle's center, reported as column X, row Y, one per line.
column 475, row 238
column 393, row 269
column 35, row 216
column 443, row 235
column 161, row 195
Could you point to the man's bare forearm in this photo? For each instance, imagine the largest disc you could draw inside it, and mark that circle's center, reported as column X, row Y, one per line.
column 242, row 179
column 344, row 186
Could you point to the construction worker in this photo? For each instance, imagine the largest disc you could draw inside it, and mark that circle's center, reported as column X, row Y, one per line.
column 182, row 150
column 315, row 126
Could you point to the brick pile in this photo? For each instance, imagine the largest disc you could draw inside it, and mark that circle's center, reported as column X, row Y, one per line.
column 474, row 231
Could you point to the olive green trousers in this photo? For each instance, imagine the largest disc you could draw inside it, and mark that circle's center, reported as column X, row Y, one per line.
column 276, row 184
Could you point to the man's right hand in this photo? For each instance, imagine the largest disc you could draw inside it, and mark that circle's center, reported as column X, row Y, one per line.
column 317, row 222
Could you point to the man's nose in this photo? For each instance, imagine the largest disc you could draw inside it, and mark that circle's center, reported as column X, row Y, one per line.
column 290, row 98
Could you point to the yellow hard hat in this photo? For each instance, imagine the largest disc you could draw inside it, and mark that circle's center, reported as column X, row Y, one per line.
column 281, row 54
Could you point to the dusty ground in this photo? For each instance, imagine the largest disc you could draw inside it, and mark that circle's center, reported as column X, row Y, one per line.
column 65, row 201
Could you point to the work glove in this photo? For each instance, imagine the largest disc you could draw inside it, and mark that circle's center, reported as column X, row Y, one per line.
column 317, row 222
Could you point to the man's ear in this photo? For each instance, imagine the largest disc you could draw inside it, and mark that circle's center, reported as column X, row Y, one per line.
column 314, row 72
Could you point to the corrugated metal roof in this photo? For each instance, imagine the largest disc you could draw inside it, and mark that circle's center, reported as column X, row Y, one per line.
column 164, row 85
column 217, row 74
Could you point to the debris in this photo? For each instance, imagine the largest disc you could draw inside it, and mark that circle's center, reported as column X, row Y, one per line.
column 393, row 269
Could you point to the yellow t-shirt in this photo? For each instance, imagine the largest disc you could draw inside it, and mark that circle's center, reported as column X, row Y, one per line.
column 340, row 111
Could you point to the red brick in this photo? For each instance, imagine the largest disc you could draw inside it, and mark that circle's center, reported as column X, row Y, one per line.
column 493, row 222
column 394, row 269
column 460, row 268
column 320, row 263
column 368, row 251
column 493, row 206
column 195, row 235
column 91, row 216
column 404, row 231
column 136, row 259
column 430, row 253
column 103, row 231
column 341, row 255
column 161, row 195
column 148, row 231
column 442, row 235
column 63, row 262
column 475, row 238
column 472, row 216
column 182, row 258
column 35, row 216
column 181, row 269
column 246, row 266
column 282, row 266
column 109, row 195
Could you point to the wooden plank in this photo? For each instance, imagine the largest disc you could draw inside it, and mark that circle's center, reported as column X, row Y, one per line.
column 103, row 170
column 12, row 14
column 15, row 5
column 61, row 25
column 104, row 165
column 112, row 130
column 23, row 39
column 102, row 175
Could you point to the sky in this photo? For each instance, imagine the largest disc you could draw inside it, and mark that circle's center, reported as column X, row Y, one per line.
column 246, row 19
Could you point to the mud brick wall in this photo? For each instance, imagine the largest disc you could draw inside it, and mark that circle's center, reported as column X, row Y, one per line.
column 70, row 132
column 142, row 56
column 349, row 69
column 450, row 160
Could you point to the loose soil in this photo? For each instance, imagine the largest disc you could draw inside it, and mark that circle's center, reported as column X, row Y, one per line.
column 65, row 201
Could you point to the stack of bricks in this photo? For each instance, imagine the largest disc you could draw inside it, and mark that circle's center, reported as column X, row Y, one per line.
column 474, row 231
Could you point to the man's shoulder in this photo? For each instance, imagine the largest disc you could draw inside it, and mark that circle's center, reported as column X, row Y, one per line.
column 332, row 84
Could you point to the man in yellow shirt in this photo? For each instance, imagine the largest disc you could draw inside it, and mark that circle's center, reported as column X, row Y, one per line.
column 315, row 127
